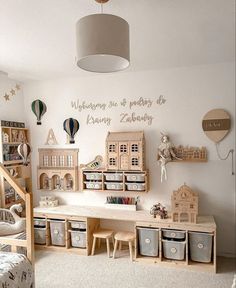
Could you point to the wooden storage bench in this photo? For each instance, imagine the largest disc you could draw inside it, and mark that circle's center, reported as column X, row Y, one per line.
column 181, row 241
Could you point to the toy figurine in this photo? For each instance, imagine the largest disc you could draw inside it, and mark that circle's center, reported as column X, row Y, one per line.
column 160, row 210
column 165, row 154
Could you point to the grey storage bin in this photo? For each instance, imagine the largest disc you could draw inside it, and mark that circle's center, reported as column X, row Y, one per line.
column 40, row 222
column 148, row 241
column 173, row 234
column 114, row 185
column 200, row 246
column 174, row 249
column 57, row 229
column 113, row 176
column 78, row 225
column 78, row 239
column 93, row 176
column 135, row 177
column 93, row 185
column 135, row 186
column 40, row 235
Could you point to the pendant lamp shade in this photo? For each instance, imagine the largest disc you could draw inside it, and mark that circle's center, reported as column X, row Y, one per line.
column 102, row 43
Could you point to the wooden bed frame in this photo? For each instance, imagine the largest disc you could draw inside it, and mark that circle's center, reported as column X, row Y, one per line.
column 28, row 243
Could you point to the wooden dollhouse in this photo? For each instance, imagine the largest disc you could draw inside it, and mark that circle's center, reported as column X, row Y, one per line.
column 58, row 169
column 184, row 204
column 125, row 151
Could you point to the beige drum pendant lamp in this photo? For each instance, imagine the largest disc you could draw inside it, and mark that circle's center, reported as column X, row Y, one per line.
column 102, row 42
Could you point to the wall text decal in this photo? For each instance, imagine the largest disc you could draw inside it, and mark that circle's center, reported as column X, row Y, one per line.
column 130, row 115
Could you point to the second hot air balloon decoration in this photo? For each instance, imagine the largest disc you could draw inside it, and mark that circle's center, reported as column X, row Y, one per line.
column 24, row 151
column 71, row 126
column 39, row 108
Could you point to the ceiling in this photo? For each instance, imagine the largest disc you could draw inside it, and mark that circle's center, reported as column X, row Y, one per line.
column 37, row 37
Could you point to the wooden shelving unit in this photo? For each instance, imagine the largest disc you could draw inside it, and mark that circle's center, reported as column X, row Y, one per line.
column 113, row 181
column 10, row 139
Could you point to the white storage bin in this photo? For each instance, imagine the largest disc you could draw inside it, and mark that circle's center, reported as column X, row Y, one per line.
column 113, row 176
column 114, row 186
column 93, row 185
column 173, row 234
column 148, row 241
column 57, row 230
column 135, row 177
column 200, row 246
column 39, row 235
column 78, row 225
column 174, row 249
column 135, row 186
column 78, row 239
column 93, row 175
column 40, row 222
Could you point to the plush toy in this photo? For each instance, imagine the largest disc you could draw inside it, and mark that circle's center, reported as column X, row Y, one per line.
column 13, row 228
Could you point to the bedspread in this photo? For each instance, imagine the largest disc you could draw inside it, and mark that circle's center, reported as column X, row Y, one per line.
column 15, row 271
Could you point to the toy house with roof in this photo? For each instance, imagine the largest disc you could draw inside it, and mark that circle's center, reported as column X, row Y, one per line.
column 125, row 151
column 184, row 204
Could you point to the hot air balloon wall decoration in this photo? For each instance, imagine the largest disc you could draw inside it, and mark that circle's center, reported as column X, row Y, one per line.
column 39, row 108
column 216, row 125
column 71, row 126
column 24, row 151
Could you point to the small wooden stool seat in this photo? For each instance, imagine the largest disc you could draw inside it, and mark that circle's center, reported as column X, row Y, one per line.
column 103, row 234
column 126, row 237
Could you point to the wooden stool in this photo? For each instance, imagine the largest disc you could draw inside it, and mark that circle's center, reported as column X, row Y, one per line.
column 103, row 234
column 127, row 237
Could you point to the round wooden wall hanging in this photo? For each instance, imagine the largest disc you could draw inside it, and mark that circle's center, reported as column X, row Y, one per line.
column 216, row 124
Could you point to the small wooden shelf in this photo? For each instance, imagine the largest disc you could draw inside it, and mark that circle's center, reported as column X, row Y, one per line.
column 119, row 181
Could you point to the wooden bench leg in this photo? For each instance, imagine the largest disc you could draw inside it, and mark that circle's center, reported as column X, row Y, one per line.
column 108, row 247
column 94, row 245
column 115, row 247
column 120, row 245
column 113, row 241
column 131, row 250
column 99, row 242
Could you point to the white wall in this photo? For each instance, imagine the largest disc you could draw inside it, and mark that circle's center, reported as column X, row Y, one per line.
column 14, row 109
column 190, row 93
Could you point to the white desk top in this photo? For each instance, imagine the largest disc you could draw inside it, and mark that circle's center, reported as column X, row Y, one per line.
column 112, row 214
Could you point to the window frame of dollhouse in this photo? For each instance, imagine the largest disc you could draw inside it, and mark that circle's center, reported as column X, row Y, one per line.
column 134, row 161
column 112, row 161
column 123, row 148
column 134, row 148
column 112, row 148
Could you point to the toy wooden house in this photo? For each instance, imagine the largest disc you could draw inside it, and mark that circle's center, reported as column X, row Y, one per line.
column 58, row 169
column 184, row 204
column 125, row 151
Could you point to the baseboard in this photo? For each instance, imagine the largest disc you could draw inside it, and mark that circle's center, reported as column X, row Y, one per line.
column 227, row 255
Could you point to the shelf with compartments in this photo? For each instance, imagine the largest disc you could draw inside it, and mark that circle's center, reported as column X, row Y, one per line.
column 116, row 181
column 11, row 137
column 180, row 245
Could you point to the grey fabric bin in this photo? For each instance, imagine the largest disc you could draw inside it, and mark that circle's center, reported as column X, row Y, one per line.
column 200, row 246
column 78, row 239
column 148, row 241
column 40, row 222
column 57, row 230
column 173, row 234
column 174, row 249
column 40, row 236
column 78, row 225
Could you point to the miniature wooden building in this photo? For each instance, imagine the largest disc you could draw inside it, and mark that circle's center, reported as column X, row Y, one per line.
column 191, row 153
column 125, row 151
column 58, row 169
column 184, row 204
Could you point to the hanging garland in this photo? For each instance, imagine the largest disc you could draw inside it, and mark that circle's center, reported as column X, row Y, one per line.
column 12, row 92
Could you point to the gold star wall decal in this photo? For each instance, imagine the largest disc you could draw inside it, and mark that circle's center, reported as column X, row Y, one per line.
column 12, row 92
column 7, row 97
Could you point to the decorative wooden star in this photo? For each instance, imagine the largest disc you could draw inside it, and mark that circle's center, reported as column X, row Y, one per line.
column 7, row 97
column 13, row 92
column 17, row 87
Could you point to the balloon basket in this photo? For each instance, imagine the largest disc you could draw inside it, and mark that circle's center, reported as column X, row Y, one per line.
column 39, row 123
